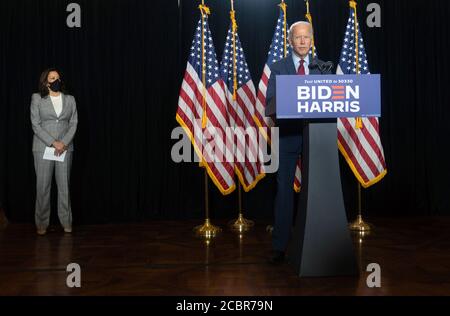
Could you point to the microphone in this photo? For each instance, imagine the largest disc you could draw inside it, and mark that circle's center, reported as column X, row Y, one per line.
column 326, row 67
column 323, row 67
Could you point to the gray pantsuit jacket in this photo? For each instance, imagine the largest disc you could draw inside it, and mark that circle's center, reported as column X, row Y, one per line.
column 48, row 127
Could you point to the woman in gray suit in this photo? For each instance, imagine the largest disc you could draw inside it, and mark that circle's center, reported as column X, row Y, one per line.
column 54, row 120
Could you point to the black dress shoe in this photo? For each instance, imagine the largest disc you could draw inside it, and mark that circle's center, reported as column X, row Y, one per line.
column 277, row 257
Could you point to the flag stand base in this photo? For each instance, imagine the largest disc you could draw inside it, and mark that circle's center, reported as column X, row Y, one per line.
column 241, row 224
column 359, row 225
column 207, row 230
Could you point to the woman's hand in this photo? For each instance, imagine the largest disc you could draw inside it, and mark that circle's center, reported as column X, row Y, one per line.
column 59, row 146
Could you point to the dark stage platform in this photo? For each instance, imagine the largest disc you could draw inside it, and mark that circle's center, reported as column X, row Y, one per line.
column 164, row 258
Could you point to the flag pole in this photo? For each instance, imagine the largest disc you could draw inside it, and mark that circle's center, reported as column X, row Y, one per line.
column 283, row 6
column 241, row 224
column 207, row 230
column 359, row 224
column 309, row 18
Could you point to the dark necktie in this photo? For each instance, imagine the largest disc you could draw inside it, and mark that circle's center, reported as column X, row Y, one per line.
column 301, row 68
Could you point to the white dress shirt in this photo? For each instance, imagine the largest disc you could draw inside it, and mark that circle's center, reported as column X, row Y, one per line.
column 296, row 60
column 57, row 104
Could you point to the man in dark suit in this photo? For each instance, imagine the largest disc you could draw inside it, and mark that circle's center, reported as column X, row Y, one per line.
column 290, row 132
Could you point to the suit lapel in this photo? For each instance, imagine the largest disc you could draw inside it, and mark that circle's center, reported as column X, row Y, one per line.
column 49, row 105
column 290, row 67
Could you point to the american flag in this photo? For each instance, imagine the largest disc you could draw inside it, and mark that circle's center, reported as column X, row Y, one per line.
column 360, row 145
column 190, row 109
column 277, row 51
column 241, row 108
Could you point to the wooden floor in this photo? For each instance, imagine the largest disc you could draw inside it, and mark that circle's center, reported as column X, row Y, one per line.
column 164, row 258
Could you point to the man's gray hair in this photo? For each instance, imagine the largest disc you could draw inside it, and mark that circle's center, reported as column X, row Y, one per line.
column 300, row 23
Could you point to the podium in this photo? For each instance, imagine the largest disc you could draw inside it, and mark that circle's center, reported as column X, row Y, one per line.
column 321, row 244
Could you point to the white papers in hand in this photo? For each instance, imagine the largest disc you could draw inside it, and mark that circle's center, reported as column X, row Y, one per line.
column 49, row 154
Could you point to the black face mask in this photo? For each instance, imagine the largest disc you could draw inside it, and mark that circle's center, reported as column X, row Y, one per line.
column 55, row 86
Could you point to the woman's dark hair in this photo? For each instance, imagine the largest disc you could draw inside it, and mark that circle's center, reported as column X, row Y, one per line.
column 43, row 88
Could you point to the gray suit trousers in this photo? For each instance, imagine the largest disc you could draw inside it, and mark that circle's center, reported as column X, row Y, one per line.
column 44, row 175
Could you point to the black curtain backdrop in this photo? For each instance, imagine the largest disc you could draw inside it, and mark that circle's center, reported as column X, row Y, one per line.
column 125, row 66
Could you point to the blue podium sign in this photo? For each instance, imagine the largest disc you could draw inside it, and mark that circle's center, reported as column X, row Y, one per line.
column 327, row 96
